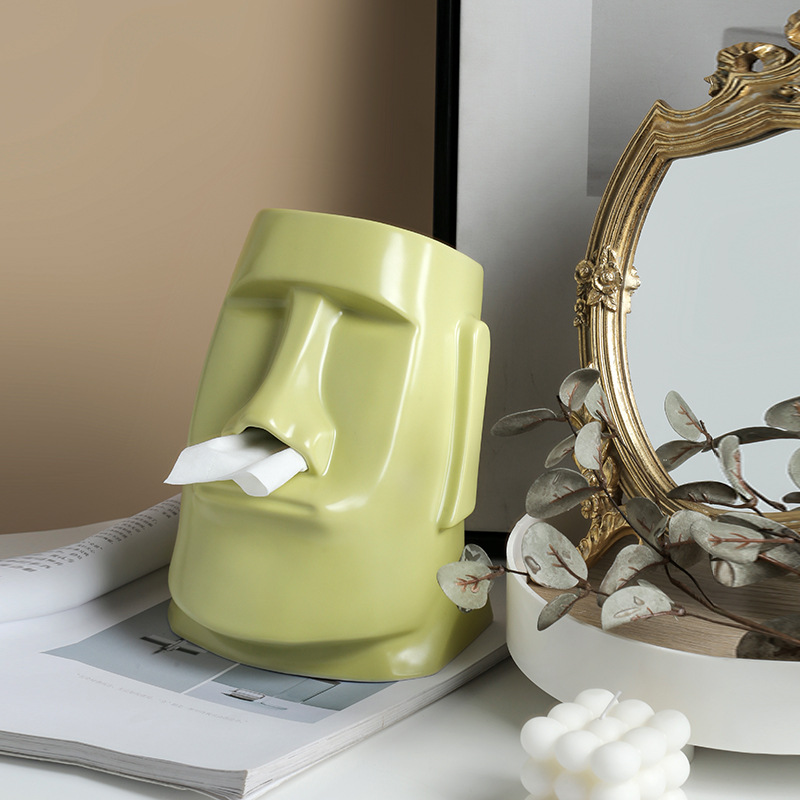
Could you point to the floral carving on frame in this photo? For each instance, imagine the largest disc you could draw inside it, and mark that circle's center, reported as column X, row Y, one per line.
column 598, row 282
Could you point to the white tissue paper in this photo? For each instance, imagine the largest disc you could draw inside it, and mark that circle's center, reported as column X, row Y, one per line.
column 257, row 461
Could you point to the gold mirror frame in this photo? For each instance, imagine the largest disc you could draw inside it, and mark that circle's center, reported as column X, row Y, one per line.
column 755, row 94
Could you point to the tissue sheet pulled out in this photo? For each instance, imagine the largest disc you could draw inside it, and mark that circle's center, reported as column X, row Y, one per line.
column 257, row 461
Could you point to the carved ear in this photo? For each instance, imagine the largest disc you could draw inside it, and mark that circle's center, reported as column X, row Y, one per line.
column 472, row 366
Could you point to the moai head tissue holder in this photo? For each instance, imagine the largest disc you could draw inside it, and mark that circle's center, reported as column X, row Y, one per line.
column 350, row 355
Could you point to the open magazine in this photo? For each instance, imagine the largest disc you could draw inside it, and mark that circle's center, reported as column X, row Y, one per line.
column 107, row 685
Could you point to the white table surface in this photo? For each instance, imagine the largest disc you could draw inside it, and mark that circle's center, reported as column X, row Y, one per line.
column 463, row 747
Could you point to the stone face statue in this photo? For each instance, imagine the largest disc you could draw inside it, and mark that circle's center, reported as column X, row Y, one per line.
column 358, row 346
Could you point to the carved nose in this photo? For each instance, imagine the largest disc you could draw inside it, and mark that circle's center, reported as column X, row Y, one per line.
column 288, row 403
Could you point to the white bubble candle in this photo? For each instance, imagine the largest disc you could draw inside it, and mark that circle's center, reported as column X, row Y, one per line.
column 601, row 748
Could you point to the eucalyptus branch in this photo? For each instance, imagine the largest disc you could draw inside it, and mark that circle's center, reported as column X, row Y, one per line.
column 495, row 571
column 682, row 611
column 689, row 575
column 710, row 443
column 598, row 473
column 601, row 482
column 553, row 562
column 781, row 564
column 774, row 503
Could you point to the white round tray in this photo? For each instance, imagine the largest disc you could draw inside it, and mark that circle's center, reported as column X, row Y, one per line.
column 734, row 704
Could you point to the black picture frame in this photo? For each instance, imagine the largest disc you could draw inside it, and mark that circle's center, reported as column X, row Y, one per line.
column 445, row 170
column 445, row 161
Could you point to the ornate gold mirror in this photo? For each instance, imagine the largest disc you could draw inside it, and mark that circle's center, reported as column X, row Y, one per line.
column 755, row 95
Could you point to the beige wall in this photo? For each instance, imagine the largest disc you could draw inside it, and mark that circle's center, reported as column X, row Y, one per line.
column 139, row 139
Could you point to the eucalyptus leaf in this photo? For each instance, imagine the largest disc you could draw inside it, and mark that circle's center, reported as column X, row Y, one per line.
column 643, row 582
column 465, row 583
column 673, row 454
column 757, row 522
column 646, row 519
column 596, row 403
column 630, row 562
column 523, row 421
column 793, row 468
column 683, row 549
column 705, row 492
column 550, row 558
column 560, row 451
column 755, row 644
column 786, row 555
column 792, row 498
column 474, row 552
column 682, row 418
column 558, row 607
column 728, row 541
column 730, row 458
column 680, row 525
column 734, row 575
column 758, row 434
column 576, row 386
column 589, row 446
column 556, row 491
column 633, row 603
column 785, row 414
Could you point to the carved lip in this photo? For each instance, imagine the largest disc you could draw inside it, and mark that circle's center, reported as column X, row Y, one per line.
column 275, row 504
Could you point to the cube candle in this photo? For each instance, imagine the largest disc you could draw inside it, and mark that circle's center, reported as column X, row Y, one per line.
column 600, row 748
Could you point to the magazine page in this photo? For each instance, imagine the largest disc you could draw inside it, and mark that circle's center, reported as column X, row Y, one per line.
column 108, row 685
column 40, row 583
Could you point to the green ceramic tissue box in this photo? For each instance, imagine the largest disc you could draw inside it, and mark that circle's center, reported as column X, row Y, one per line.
column 358, row 346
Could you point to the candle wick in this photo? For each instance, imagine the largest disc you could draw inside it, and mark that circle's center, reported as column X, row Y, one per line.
column 608, row 707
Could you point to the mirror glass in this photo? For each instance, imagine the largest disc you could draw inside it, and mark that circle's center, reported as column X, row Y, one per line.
column 715, row 316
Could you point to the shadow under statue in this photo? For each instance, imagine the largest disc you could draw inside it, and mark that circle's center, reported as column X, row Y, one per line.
column 360, row 346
